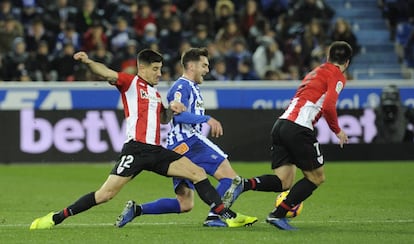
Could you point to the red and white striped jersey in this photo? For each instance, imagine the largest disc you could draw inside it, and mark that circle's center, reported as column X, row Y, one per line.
column 316, row 96
column 142, row 107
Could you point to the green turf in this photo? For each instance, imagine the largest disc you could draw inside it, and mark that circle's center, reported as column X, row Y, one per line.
column 359, row 203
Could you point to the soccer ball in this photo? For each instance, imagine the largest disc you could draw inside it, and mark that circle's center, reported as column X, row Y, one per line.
column 295, row 210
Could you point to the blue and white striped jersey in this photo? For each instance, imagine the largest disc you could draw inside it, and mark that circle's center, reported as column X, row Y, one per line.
column 188, row 123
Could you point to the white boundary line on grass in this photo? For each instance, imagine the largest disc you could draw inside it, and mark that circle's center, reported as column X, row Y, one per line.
column 181, row 223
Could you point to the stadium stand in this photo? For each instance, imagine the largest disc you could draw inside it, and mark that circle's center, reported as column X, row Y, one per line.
column 378, row 59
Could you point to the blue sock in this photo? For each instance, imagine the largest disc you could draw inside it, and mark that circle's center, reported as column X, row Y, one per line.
column 223, row 185
column 221, row 188
column 161, row 206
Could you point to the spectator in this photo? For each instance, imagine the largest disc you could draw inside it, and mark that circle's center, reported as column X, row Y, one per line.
column 267, row 57
column 238, row 52
column 40, row 64
column 293, row 58
column 313, row 42
column 30, row 11
column 94, row 36
column 342, row 31
column 246, row 71
column 37, row 33
column 273, row 9
column 200, row 38
column 249, row 16
column 218, row 71
column 102, row 55
column 58, row 15
column 15, row 62
column 68, row 35
column 273, row 75
column 164, row 16
column 128, row 9
column 226, row 35
column 394, row 11
column 87, row 16
column 224, row 10
column 176, row 57
column 150, row 36
column 126, row 59
column 64, row 64
column 200, row 13
column 8, row 11
column 261, row 29
column 307, row 10
column 9, row 31
column 144, row 17
column 171, row 41
column 409, row 52
column 121, row 34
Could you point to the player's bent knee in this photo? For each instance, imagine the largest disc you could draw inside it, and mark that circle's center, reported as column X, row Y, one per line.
column 186, row 205
column 317, row 180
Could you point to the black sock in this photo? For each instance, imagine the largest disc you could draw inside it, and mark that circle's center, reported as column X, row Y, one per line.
column 299, row 193
column 82, row 204
column 269, row 183
column 210, row 196
column 207, row 193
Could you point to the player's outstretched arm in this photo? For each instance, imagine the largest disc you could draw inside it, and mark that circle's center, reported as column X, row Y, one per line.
column 97, row 68
column 174, row 108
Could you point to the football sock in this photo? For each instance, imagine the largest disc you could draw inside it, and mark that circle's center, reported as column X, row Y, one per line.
column 223, row 185
column 210, row 196
column 82, row 204
column 269, row 183
column 299, row 193
column 221, row 188
column 160, row 206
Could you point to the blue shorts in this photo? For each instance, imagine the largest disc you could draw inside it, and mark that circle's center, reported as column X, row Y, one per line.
column 201, row 151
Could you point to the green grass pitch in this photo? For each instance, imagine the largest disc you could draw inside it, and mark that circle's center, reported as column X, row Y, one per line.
column 360, row 202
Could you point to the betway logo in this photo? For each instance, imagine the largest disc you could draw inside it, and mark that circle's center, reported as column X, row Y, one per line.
column 70, row 135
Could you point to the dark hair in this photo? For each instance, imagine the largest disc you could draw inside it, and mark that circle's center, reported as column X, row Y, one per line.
column 339, row 52
column 193, row 54
column 148, row 56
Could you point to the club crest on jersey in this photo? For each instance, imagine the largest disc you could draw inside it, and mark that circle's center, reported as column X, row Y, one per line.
column 339, row 86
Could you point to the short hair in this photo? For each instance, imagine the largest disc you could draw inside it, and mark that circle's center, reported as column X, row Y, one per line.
column 193, row 55
column 148, row 56
column 339, row 52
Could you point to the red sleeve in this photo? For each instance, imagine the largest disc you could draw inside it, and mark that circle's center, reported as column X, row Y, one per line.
column 335, row 86
column 124, row 81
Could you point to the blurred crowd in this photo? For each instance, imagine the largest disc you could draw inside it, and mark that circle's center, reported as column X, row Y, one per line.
column 399, row 15
column 247, row 39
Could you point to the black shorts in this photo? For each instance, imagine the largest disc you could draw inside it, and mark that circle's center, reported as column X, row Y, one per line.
column 295, row 144
column 136, row 157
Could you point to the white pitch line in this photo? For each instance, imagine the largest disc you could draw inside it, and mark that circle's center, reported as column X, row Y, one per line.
column 190, row 224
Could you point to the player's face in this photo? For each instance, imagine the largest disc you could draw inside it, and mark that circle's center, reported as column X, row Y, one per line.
column 151, row 73
column 201, row 69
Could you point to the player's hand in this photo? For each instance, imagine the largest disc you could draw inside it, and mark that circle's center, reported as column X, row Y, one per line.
column 215, row 126
column 343, row 138
column 82, row 56
column 177, row 107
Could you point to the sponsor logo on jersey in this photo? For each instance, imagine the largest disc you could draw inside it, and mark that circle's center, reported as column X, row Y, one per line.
column 199, row 104
column 145, row 95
